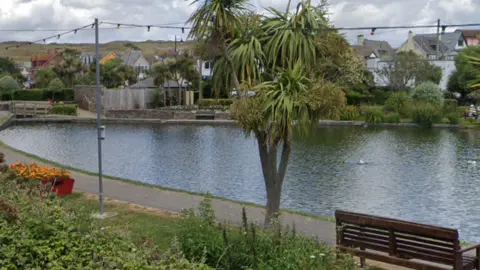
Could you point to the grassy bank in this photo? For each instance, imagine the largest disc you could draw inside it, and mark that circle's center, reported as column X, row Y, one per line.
column 55, row 164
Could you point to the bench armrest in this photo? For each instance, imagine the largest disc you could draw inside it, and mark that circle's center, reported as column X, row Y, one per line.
column 466, row 249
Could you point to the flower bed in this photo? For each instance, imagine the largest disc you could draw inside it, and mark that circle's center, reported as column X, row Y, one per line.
column 60, row 179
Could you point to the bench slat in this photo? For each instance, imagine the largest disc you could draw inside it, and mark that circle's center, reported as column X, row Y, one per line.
column 426, row 257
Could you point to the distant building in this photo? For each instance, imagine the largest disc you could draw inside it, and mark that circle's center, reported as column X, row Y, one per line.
column 367, row 49
column 136, row 60
column 109, row 56
column 471, row 35
column 44, row 60
column 87, row 58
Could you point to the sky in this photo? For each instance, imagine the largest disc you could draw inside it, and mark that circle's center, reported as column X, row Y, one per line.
column 64, row 15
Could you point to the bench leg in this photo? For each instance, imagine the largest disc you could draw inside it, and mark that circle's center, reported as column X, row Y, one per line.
column 362, row 259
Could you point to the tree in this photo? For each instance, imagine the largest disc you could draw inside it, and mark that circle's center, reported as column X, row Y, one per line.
column 43, row 77
column 276, row 56
column 56, row 85
column 68, row 66
column 428, row 92
column 114, row 73
column 8, row 85
column 8, row 66
column 467, row 71
column 408, row 69
column 214, row 22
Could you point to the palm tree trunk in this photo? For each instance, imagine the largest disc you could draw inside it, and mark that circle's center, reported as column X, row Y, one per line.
column 232, row 66
column 200, row 90
column 272, row 175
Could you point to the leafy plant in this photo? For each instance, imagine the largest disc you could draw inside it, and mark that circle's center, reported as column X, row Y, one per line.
column 349, row 113
column 399, row 103
column 354, row 98
column 426, row 114
column 373, row 115
column 8, row 85
column 453, row 118
column 450, row 106
column 249, row 247
column 56, row 85
column 391, row 118
column 64, row 109
column 428, row 92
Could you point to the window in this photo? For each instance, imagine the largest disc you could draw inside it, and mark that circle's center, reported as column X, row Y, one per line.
column 460, row 42
column 207, row 65
column 432, row 57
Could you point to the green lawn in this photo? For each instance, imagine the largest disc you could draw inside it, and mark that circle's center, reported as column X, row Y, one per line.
column 137, row 222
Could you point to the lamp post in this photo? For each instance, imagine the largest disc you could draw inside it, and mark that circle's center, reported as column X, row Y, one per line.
column 181, row 41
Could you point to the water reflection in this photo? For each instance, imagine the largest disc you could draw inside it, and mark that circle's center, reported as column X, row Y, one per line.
column 413, row 174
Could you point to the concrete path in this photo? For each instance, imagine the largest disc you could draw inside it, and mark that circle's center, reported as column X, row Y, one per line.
column 176, row 201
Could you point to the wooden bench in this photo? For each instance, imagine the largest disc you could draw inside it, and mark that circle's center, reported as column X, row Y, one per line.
column 402, row 243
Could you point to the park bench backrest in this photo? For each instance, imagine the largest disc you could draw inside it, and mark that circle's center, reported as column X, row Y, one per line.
column 398, row 238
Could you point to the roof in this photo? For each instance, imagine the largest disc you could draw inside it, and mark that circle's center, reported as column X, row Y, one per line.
column 131, row 57
column 450, row 39
column 469, row 33
column 42, row 56
column 374, row 46
column 428, row 43
column 149, row 83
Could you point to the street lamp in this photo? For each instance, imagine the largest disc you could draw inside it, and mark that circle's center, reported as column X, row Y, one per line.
column 181, row 41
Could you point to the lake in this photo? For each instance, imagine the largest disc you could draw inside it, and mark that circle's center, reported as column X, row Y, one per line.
column 413, row 174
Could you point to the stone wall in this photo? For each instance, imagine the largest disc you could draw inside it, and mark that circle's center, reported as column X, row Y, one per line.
column 161, row 114
column 85, row 97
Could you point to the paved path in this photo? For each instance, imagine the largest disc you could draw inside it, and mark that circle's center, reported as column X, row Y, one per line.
column 176, row 201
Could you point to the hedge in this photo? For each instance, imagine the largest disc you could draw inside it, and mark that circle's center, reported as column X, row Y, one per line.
column 213, row 102
column 65, row 109
column 41, row 95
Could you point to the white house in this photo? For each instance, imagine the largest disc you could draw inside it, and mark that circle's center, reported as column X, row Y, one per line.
column 138, row 62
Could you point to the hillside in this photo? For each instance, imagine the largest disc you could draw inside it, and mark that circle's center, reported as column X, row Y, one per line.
column 149, row 48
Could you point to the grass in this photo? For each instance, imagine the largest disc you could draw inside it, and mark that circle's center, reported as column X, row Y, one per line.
column 48, row 162
column 137, row 222
column 149, row 48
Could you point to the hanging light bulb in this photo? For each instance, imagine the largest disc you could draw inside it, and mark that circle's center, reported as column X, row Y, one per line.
column 93, row 25
column 58, row 37
column 443, row 29
column 118, row 26
column 373, row 31
column 183, row 30
column 6, row 48
column 44, row 41
column 148, row 28
column 75, row 31
column 18, row 45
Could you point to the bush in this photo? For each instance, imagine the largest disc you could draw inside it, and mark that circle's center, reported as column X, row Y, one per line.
column 453, row 118
column 41, row 95
column 379, row 96
column 29, row 95
column 428, row 92
column 250, row 247
column 56, row 85
column 450, row 106
column 391, row 118
column 64, row 109
column 349, row 113
column 212, row 102
column 373, row 115
column 426, row 114
column 8, row 85
column 355, row 98
column 398, row 102
column 40, row 234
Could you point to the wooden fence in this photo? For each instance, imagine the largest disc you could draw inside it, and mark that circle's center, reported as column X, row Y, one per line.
column 128, row 99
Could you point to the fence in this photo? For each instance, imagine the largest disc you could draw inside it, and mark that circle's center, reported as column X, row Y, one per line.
column 128, row 99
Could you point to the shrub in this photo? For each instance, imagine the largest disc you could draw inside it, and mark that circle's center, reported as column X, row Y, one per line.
column 426, row 114
column 355, row 98
column 249, row 247
column 41, row 234
column 450, row 106
column 453, row 118
column 398, row 102
column 8, row 85
column 212, row 102
column 373, row 115
column 56, row 85
column 391, row 118
column 29, row 95
column 41, row 95
column 428, row 92
column 65, row 109
column 349, row 113
column 379, row 96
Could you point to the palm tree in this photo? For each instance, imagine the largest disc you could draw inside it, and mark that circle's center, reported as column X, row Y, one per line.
column 274, row 55
column 161, row 73
column 215, row 21
column 68, row 66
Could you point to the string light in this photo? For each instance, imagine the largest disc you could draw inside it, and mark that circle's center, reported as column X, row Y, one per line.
column 148, row 28
column 75, row 32
column 183, row 30
column 58, row 37
column 373, row 31
column 443, row 29
column 118, row 26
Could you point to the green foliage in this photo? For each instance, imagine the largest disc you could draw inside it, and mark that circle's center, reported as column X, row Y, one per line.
column 466, row 71
column 349, row 113
column 8, row 85
column 40, row 234
column 249, row 247
column 66, row 94
column 212, row 102
column 70, row 109
column 428, row 92
column 115, row 73
column 373, row 115
column 355, row 98
column 43, row 77
column 157, row 99
column 426, row 114
column 453, row 118
column 56, row 85
column 379, row 95
column 450, row 106
column 399, row 102
column 391, row 118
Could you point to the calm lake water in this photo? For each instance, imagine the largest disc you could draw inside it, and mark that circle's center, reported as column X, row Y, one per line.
column 418, row 175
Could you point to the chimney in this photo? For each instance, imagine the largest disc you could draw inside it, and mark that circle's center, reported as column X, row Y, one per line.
column 360, row 39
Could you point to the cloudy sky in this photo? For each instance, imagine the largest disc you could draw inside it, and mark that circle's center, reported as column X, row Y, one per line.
column 69, row 14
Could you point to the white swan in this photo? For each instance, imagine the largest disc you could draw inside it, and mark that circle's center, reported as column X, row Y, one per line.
column 361, row 162
column 472, row 162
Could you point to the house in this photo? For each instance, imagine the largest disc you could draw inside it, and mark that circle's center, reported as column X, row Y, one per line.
column 108, row 57
column 87, row 58
column 45, row 60
column 367, row 49
column 136, row 59
column 425, row 45
column 471, row 35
